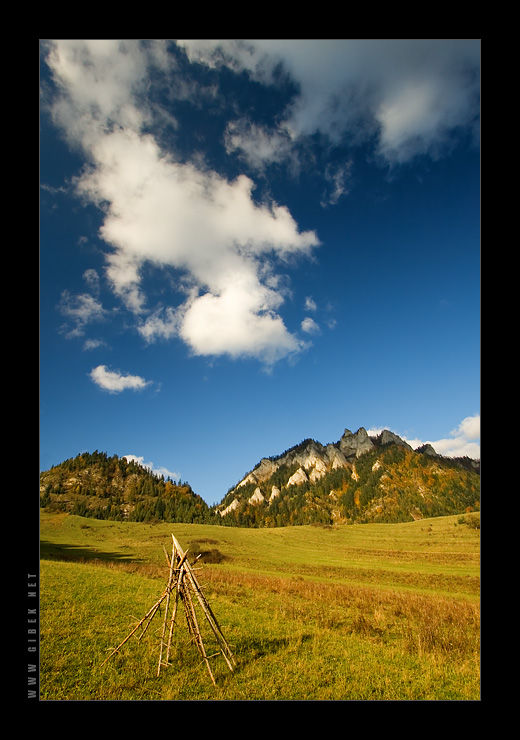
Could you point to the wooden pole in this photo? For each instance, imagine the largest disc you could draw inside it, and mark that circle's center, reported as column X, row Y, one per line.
column 194, row 628
column 166, row 610
column 150, row 614
column 172, row 623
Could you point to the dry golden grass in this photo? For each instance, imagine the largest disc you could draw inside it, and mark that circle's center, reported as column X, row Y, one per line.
column 423, row 623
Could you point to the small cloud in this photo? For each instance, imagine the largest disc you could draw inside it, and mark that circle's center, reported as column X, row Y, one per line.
column 256, row 145
column 337, row 178
column 93, row 344
column 310, row 304
column 469, row 428
column 167, row 473
column 150, row 466
column 115, row 381
column 81, row 310
column 309, row 326
column 91, row 277
column 464, row 440
column 53, row 190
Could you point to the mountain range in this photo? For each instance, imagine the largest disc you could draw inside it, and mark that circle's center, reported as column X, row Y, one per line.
column 360, row 478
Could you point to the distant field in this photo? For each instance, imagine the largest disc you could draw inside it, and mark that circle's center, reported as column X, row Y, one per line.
column 363, row 612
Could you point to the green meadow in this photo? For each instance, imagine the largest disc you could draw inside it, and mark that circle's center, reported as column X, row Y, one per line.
column 361, row 612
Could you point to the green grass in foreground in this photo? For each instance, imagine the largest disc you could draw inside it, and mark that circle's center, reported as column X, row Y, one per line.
column 369, row 612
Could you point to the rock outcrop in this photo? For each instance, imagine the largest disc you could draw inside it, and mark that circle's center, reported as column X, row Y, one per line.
column 389, row 438
column 299, row 477
column 256, row 498
column 355, row 445
column 427, row 449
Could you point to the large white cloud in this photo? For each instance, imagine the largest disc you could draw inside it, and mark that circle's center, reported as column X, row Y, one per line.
column 173, row 215
column 224, row 246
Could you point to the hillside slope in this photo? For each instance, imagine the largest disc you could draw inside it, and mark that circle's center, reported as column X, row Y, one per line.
column 95, row 485
column 355, row 480
column 358, row 479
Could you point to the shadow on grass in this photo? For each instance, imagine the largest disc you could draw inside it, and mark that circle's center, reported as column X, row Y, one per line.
column 76, row 553
column 249, row 649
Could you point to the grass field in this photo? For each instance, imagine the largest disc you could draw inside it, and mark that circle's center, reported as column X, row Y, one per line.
column 363, row 612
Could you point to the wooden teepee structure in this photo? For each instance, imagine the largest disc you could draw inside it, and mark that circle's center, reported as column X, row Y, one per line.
column 182, row 586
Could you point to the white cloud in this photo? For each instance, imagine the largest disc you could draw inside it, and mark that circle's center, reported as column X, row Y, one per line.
column 90, row 344
column 256, row 145
column 464, row 440
column 178, row 217
column 310, row 304
column 91, row 277
column 337, row 177
column 150, row 466
column 162, row 324
column 82, row 310
column 174, row 215
column 97, row 79
column 138, row 460
column 309, row 326
column 227, row 247
column 469, row 428
column 115, row 381
column 240, row 321
column 410, row 93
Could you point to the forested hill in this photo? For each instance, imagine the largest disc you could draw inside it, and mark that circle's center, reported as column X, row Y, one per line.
column 356, row 480
column 95, row 485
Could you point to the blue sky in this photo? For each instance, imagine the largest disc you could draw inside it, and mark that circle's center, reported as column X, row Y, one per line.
column 247, row 243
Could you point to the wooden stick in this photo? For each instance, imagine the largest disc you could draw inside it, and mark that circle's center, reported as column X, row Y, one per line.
column 153, row 609
column 196, row 633
column 166, row 610
column 178, row 589
column 177, row 592
column 226, row 651
column 174, row 613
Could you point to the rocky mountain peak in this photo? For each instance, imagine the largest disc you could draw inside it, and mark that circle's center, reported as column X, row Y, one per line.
column 355, row 445
column 314, row 460
column 389, row 438
column 426, row 449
